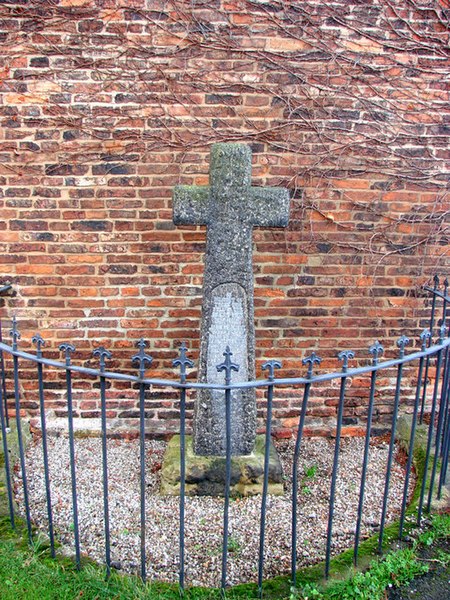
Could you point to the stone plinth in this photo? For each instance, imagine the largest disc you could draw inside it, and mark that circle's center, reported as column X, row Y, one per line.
column 205, row 475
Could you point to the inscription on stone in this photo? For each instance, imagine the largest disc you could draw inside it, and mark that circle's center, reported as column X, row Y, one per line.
column 229, row 306
column 228, row 327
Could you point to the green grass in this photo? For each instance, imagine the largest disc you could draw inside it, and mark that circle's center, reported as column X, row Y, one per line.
column 28, row 573
column 396, row 568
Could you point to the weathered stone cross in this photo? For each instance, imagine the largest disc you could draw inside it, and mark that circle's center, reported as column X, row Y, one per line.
column 230, row 207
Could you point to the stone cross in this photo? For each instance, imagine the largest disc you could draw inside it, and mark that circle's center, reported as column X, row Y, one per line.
column 229, row 207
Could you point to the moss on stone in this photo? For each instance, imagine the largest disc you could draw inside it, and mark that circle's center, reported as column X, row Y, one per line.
column 404, row 433
column 205, row 475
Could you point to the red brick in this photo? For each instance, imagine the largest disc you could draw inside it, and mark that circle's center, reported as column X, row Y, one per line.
column 88, row 162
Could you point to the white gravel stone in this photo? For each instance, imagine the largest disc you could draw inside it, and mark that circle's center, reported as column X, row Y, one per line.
column 204, row 515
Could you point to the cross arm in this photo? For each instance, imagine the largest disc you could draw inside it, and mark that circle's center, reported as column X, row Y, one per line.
column 190, row 205
column 270, row 206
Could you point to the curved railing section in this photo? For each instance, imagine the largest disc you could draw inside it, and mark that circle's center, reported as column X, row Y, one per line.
column 429, row 395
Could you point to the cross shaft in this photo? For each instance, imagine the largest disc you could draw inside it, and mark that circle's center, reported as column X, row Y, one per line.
column 229, row 207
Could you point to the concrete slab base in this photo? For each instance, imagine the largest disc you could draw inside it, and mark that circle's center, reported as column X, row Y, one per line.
column 205, row 475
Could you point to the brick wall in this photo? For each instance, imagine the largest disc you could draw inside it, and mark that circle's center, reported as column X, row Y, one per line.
column 103, row 109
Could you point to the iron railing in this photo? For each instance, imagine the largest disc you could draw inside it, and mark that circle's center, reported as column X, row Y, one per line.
column 429, row 394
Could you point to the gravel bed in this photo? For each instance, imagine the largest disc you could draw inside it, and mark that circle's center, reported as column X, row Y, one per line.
column 204, row 515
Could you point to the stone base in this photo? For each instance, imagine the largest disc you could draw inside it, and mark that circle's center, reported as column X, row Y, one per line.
column 205, row 475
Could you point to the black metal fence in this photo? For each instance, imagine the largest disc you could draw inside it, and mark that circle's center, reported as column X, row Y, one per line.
column 430, row 405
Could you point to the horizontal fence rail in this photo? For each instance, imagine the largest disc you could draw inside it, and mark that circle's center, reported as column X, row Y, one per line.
column 427, row 386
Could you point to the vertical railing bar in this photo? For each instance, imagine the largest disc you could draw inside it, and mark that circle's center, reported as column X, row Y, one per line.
column 446, row 369
column 427, row 364
column 37, row 339
column 16, row 335
column 227, row 490
column 67, row 349
column 182, row 362
column 310, row 360
column 345, row 356
column 364, row 469
column 445, row 449
column 429, row 442
column 6, row 459
column 226, row 366
column 424, row 392
column 182, row 486
column 376, row 349
column 262, row 527
column 105, row 476
column 271, row 365
column 401, row 343
column 102, row 353
column 439, row 423
column 443, row 399
column 3, row 382
column 295, row 484
column 445, row 459
column 445, row 392
column 426, row 333
column 142, row 475
column 142, row 359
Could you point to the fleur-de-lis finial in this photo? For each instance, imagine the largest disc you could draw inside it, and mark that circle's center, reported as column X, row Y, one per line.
column 401, row 343
column 39, row 341
column 436, row 281
column 141, row 357
column 14, row 333
column 227, row 365
column 183, row 362
column 67, row 349
column 345, row 356
column 310, row 361
column 103, row 354
column 270, row 366
column 424, row 337
column 445, row 286
column 376, row 350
